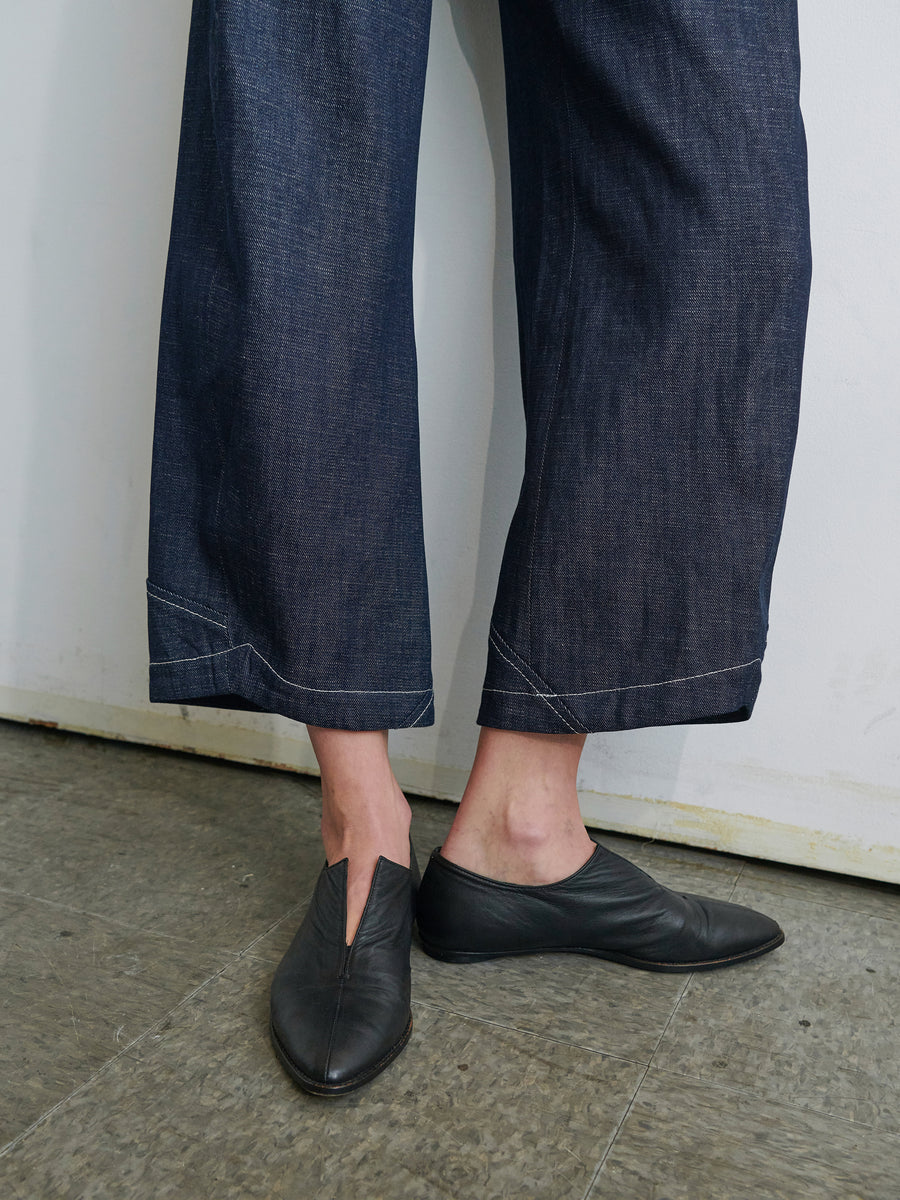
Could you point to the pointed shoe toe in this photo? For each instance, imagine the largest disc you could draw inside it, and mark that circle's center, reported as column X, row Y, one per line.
column 340, row 1014
column 726, row 932
column 609, row 908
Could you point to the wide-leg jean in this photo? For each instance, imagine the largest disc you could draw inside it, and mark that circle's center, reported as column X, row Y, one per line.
column 662, row 264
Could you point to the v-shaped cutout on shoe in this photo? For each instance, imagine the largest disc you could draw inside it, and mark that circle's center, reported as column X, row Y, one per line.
column 412, row 869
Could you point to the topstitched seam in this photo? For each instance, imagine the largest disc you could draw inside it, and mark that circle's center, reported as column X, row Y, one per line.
column 540, row 695
column 167, row 662
column 152, row 588
column 409, row 724
column 496, row 636
column 628, row 687
column 200, row 616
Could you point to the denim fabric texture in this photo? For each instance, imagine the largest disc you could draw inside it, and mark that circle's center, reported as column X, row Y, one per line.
column 662, row 259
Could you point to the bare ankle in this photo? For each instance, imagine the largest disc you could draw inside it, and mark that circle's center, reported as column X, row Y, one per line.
column 531, row 833
column 362, row 830
column 367, row 824
column 364, row 810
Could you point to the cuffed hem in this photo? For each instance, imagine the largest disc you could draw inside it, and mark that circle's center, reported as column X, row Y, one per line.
column 193, row 664
column 237, row 679
column 515, row 698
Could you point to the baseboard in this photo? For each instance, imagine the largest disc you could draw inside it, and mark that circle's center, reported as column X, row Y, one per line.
column 275, row 742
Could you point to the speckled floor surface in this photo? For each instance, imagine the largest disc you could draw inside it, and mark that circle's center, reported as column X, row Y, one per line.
column 145, row 897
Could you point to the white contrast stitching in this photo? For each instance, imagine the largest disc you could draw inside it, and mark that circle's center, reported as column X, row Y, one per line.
column 629, row 687
column 187, row 610
column 156, row 587
column 494, row 633
column 167, row 662
column 541, row 695
column 421, row 710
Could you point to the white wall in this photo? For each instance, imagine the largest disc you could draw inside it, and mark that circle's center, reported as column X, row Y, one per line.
column 91, row 95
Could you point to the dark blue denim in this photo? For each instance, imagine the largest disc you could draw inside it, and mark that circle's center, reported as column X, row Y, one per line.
column 662, row 259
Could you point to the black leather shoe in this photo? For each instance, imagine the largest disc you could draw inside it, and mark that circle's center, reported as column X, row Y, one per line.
column 609, row 908
column 340, row 1014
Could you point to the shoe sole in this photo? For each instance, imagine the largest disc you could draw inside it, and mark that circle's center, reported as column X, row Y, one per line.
column 710, row 964
column 315, row 1087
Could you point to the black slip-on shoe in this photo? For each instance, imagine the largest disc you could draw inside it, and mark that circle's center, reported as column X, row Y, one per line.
column 340, row 1014
column 609, row 908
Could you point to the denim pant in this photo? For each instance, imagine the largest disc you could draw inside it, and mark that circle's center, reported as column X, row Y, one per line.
column 662, row 263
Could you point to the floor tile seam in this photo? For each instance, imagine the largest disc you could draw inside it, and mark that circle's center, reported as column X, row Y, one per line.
column 616, row 1132
column 847, row 908
column 743, row 879
column 155, row 933
column 737, row 880
column 671, row 1017
column 748, row 881
column 88, row 912
column 618, row 1129
column 543, row 1037
column 290, row 914
column 613, row 1137
column 30, row 783
column 779, row 1102
column 110, row 1063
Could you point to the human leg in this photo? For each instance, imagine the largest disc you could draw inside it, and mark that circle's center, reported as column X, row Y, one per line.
column 662, row 273
column 364, row 813
column 286, row 565
column 518, row 874
column 519, row 818
column 662, row 270
column 286, row 568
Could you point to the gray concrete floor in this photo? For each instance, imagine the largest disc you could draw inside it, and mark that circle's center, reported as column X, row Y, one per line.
column 146, row 896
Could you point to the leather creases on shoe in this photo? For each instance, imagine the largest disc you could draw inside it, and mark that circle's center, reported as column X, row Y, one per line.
column 340, row 1014
column 609, row 908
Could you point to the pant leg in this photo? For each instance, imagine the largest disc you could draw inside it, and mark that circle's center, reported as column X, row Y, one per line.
column 286, row 564
column 662, row 269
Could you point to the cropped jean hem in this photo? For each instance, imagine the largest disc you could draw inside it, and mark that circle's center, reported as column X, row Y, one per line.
column 662, row 264
column 201, row 667
column 712, row 698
